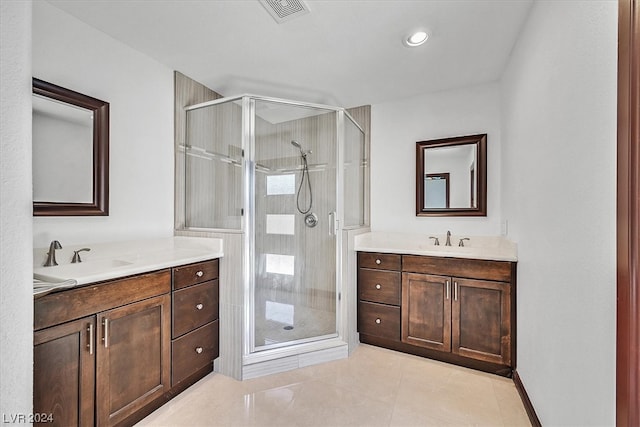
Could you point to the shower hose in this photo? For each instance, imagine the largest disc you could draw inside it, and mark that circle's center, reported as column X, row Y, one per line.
column 305, row 176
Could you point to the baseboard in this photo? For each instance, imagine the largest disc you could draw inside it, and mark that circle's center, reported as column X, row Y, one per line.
column 528, row 406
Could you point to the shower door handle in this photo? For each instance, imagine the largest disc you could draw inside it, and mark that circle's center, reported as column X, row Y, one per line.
column 333, row 224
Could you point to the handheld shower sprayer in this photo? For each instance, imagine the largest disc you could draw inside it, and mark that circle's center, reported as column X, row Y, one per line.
column 299, row 147
column 305, row 175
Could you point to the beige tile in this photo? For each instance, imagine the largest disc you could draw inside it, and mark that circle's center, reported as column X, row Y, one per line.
column 373, row 387
column 511, row 407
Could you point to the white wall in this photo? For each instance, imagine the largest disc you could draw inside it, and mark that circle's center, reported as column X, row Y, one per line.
column 71, row 54
column 396, row 126
column 16, row 299
column 559, row 148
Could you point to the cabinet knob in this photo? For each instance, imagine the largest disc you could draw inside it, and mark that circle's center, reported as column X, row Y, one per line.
column 198, row 350
column 199, row 273
column 199, row 306
column 378, row 262
column 378, row 286
column 378, row 321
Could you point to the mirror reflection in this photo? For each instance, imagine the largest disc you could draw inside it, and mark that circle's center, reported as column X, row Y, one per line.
column 451, row 176
column 62, row 152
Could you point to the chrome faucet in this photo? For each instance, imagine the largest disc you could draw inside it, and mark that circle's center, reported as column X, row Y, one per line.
column 436, row 241
column 448, row 242
column 51, row 255
column 76, row 255
column 461, row 244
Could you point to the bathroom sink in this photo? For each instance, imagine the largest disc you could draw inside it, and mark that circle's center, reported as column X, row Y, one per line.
column 478, row 247
column 79, row 270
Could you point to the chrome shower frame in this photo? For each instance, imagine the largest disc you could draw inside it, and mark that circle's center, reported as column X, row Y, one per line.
column 248, row 229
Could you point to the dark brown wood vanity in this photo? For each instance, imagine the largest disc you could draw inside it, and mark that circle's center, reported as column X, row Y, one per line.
column 456, row 310
column 110, row 353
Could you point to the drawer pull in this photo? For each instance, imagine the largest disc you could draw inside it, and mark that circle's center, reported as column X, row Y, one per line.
column 378, row 262
column 199, row 306
column 378, row 321
column 105, row 335
column 90, row 345
column 198, row 350
column 378, row 286
column 199, row 273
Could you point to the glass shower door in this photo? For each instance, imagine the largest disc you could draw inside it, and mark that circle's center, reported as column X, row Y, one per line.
column 295, row 242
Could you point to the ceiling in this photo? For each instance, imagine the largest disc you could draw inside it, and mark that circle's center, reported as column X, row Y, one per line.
column 344, row 52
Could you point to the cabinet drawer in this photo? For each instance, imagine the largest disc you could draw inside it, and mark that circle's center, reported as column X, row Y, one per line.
column 459, row 267
column 195, row 273
column 194, row 306
column 60, row 307
column 379, row 286
column 380, row 320
column 379, row 261
column 194, row 351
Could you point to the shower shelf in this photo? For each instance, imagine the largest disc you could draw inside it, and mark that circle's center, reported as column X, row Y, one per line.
column 312, row 168
column 209, row 155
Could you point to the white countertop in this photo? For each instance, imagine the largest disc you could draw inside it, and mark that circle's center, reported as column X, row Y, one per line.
column 478, row 247
column 107, row 261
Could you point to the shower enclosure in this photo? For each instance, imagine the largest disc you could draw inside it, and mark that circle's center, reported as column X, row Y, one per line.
column 289, row 177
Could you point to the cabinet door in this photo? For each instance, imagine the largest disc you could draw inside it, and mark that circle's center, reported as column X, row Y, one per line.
column 133, row 357
column 481, row 320
column 426, row 311
column 64, row 373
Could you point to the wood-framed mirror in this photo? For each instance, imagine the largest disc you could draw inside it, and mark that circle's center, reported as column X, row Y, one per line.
column 70, row 152
column 451, row 176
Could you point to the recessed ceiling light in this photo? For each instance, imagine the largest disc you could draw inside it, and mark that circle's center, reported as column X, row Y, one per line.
column 416, row 39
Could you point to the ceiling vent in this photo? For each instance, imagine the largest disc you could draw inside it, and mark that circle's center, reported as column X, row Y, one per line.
column 285, row 10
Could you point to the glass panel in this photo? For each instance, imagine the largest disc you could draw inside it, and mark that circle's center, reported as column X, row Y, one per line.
column 354, row 174
column 214, row 167
column 295, row 262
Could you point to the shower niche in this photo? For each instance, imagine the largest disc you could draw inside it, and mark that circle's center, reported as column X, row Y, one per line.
column 289, row 178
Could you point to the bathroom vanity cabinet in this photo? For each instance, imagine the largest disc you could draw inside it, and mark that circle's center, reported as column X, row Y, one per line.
column 195, row 326
column 103, row 352
column 456, row 310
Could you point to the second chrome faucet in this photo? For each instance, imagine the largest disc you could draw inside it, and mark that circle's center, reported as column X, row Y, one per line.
column 436, row 241
column 51, row 255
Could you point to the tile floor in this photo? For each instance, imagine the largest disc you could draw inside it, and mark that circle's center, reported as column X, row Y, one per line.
column 373, row 387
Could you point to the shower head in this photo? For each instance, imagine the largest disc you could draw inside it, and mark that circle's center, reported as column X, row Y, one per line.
column 299, row 147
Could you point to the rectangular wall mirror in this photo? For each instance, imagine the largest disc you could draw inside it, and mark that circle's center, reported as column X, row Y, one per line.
column 451, row 176
column 70, row 152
